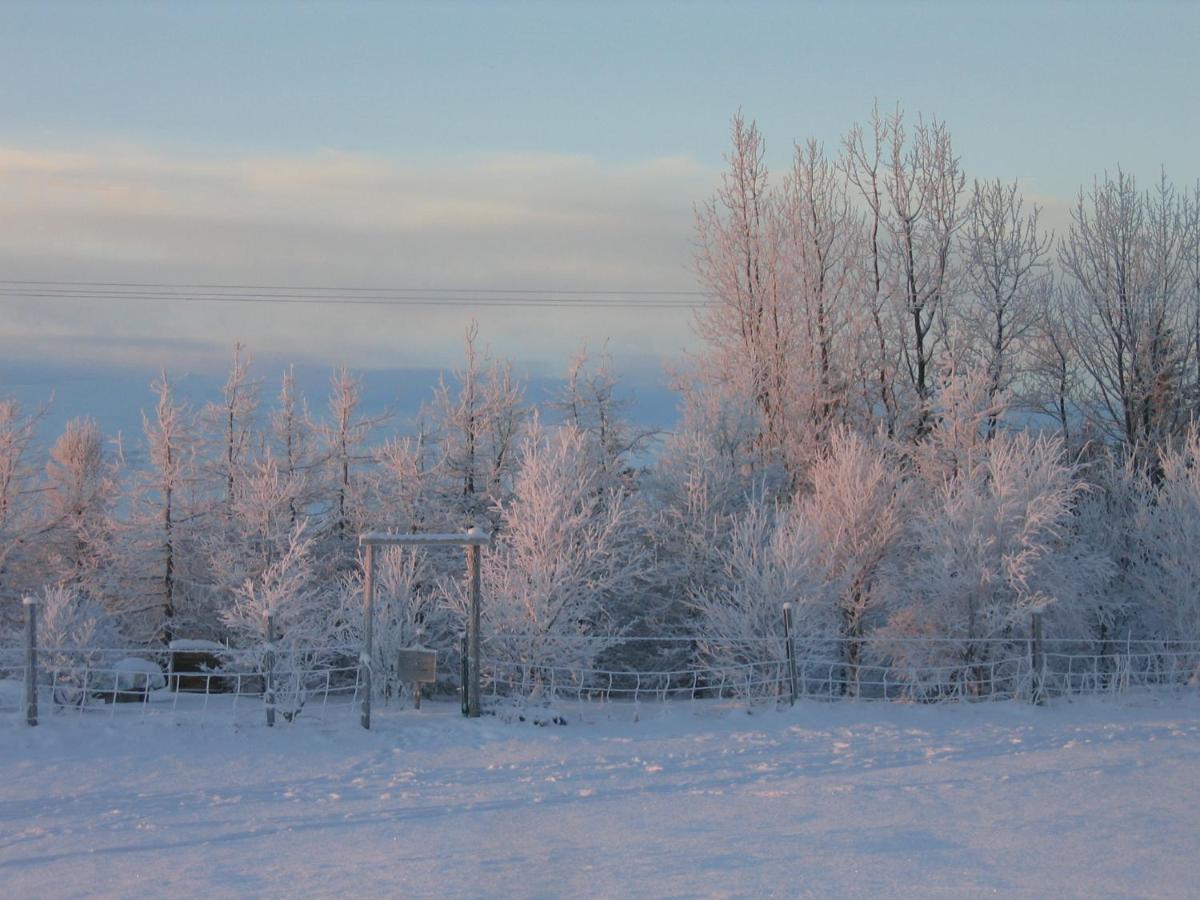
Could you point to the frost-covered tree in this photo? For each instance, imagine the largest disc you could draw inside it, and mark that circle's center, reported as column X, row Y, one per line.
column 477, row 420
column 293, row 444
column 1124, row 257
column 923, row 183
column 991, row 544
column 1162, row 541
column 770, row 559
column 282, row 623
column 80, row 491
column 81, row 640
column 344, row 439
column 822, row 233
column 19, row 518
column 1005, row 263
column 567, row 549
column 229, row 425
column 160, row 561
column 590, row 403
column 709, row 471
column 751, row 324
column 855, row 516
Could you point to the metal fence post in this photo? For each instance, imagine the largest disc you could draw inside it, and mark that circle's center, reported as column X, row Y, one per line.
column 791, row 650
column 473, row 554
column 269, row 670
column 364, row 658
column 1038, row 659
column 31, row 671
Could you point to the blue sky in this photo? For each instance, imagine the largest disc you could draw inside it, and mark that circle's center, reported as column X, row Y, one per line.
column 506, row 145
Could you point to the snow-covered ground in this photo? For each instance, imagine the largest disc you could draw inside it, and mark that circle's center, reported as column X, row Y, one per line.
column 1079, row 799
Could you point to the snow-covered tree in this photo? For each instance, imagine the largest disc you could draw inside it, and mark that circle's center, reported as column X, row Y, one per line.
column 477, row 422
column 161, row 566
column 1005, row 262
column 568, row 547
column 229, row 425
column 19, row 519
column 1124, row 256
column 79, row 494
column 991, row 544
column 1162, row 538
column 344, row 439
column 770, row 559
column 282, row 623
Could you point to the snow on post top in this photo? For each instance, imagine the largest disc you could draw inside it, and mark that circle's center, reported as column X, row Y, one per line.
column 377, row 538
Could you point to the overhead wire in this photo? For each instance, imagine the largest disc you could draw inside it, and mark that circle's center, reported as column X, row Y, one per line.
column 164, row 292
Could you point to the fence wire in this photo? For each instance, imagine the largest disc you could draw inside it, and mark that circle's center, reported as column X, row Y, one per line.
column 284, row 685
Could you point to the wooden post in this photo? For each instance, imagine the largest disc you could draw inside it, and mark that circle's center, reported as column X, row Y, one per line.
column 31, row 673
column 1037, row 659
column 473, row 554
column 364, row 658
column 269, row 670
column 464, row 674
column 791, row 650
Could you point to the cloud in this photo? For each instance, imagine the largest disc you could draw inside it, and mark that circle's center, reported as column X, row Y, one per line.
column 540, row 221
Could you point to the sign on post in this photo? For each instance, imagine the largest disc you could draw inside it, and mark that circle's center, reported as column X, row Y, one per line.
column 417, row 665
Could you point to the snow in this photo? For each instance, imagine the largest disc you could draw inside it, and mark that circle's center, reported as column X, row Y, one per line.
column 197, row 644
column 138, row 674
column 1095, row 797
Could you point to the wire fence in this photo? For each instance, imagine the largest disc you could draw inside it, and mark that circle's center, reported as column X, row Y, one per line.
column 276, row 684
column 921, row 670
column 260, row 685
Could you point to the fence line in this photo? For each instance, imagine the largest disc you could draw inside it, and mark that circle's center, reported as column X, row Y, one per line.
column 326, row 684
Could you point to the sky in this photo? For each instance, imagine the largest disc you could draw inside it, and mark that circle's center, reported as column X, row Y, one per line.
column 464, row 146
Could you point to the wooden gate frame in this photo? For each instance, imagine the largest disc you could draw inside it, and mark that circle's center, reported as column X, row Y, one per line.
column 473, row 540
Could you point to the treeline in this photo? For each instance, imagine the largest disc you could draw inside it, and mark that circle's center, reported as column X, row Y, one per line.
column 919, row 415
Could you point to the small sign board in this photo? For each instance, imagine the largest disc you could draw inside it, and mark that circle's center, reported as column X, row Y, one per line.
column 417, row 665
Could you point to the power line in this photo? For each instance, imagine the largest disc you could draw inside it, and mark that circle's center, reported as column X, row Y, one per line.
column 344, row 288
column 163, row 292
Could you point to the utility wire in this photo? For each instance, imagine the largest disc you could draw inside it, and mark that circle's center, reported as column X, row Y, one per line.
column 161, row 292
column 345, row 289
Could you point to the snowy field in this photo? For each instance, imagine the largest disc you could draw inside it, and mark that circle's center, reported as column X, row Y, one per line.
column 1100, row 797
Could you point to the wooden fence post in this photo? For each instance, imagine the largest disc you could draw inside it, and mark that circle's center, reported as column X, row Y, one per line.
column 365, row 660
column 1037, row 659
column 31, row 672
column 473, row 555
column 464, row 673
column 791, row 650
